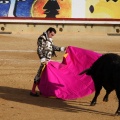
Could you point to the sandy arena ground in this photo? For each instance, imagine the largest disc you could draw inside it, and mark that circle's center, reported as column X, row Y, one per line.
column 18, row 66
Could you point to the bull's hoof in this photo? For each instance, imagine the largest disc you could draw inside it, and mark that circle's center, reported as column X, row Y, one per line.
column 92, row 103
column 105, row 99
column 117, row 113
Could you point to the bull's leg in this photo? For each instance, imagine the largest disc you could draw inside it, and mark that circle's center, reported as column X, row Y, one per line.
column 98, row 88
column 105, row 99
column 118, row 110
column 118, row 95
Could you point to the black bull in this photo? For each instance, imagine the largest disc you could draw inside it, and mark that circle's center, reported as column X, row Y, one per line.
column 105, row 71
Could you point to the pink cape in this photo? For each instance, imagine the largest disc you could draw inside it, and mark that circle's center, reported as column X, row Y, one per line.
column 62, row 80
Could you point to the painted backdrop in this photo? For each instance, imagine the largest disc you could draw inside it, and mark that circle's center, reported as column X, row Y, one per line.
column 60, row 8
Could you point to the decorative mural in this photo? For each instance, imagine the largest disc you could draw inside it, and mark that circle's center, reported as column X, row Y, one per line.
column 103, row 9
column 60, row 8
column 15, row 8
column 52, row 8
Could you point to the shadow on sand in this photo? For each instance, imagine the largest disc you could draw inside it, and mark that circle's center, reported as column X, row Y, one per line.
column 22, row 96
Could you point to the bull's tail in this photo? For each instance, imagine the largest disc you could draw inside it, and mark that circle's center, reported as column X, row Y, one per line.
column 85, row 71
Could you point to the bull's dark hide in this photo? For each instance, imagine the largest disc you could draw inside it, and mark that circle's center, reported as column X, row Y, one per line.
column 105, row 72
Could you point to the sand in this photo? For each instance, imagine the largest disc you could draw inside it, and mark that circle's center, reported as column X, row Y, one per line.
column 18, row 66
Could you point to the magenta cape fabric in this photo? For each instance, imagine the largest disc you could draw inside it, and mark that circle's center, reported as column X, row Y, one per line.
column 62, row 80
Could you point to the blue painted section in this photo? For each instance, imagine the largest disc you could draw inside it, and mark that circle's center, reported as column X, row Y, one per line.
column 4, row 9
column 22, row 8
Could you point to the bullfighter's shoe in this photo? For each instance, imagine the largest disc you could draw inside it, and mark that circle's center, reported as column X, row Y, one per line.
column 34, row 94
